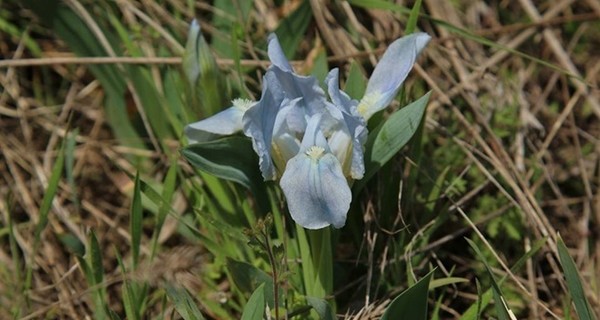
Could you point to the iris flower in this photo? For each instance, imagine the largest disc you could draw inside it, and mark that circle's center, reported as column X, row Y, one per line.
column 309, row 140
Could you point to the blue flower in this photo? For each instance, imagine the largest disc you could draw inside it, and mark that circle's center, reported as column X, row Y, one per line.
column 312, row 144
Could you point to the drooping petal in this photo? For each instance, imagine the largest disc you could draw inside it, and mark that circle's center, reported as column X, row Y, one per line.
column 259, row 122
column 353, row 132
column 390, row 72
column 226, row 122
column 314, row 185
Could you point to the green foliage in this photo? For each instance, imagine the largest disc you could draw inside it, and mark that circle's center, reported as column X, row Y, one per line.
column 582, row 305
column 388, row 138
column 412, row 303
column 255, row 307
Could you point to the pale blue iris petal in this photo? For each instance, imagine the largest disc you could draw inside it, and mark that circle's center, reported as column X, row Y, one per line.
column 226, row 122
column 316, row 191
column 391, row 71
column 297, row 86
column 276, row 54
column 313, row 182
column 285, row 146
column 354, row 127
column 294, row 85
column 292, row 115
column 258, row 123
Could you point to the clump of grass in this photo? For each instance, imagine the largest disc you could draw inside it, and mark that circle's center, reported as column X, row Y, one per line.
column 506, row 158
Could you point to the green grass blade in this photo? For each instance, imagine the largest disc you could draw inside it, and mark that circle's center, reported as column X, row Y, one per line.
column 484, row 299
column 49, row 195
column 411, row 25
column 292, row 29
column 184, row 303
column 502, row 311
column 582, row 305
column 136, row 221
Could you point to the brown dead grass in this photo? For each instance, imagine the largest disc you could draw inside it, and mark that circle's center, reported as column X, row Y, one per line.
column 549, row 169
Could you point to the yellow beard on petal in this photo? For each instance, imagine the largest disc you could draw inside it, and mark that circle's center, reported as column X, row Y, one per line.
column 367, row 102
column 315, row 152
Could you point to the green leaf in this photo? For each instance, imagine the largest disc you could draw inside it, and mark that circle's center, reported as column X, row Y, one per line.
column 411, row 25
column 502, row 311
column 484, row 299
column 184, row 303
column 412, row 303
column 233, row 159
column 248, row 278
column 582, row 305
column 255, row 308
column 321, row 307
column 49, row 195
column 203, row 74
column 292, row 29
column 387, row 139
column 356, row 83
column 136, row 220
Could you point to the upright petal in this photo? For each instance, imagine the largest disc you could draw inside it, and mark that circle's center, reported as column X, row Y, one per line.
column 390, row 72
column 276, row 54
column 294, row 85
column 353, row 132
column 259, row 122
column 314, row 185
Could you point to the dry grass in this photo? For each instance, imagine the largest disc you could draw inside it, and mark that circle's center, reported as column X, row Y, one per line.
column 548, row 166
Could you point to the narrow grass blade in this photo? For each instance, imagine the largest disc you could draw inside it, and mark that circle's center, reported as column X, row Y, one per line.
column 255, row 308
column 502, row 311
column 136, row 221
column 582, row 305
column 184, row 303
column 49, row 195
column 412, row 303
column 411, row 25
column 292, row 29
column 474, row 311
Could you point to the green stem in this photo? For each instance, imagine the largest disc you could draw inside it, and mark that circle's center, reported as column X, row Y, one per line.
column 322, row 261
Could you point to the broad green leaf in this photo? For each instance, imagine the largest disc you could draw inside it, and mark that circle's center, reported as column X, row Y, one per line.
column 320, row 68
column 248, row 278
column 582, row 305
column 502, row 311
column 233, row 159
column 255, row 308
column 387, row 139
column 184, row 303
column 292, row 29
column 321, row 307
column 410, row 304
